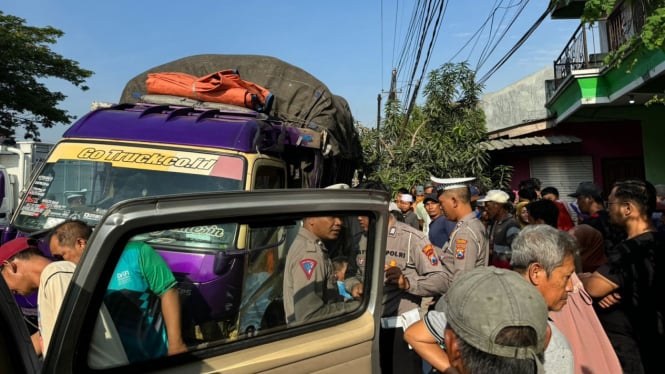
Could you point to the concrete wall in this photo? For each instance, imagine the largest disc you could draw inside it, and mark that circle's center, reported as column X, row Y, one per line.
column 522, row 101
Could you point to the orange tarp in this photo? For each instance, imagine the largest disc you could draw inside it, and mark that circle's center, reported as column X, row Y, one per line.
column 220, row 87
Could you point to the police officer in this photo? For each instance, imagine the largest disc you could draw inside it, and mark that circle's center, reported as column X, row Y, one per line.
column 412, row 271
column 310, row 275
column 468, row 246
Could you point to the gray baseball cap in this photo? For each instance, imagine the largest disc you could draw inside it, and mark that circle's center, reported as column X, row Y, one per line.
column 485, row 300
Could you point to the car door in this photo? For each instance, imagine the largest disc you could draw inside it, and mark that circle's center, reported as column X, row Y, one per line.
column 16, row 352
column 230, row 283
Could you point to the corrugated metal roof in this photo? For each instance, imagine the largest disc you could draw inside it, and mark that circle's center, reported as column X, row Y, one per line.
column 498, row 144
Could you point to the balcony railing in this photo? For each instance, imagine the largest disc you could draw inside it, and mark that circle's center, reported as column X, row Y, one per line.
column 576, row 55
column 587, row 48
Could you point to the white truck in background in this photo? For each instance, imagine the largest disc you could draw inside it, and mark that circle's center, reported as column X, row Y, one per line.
column 17, row 162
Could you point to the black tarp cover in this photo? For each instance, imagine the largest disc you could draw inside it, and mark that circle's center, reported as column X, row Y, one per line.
column 300, row 98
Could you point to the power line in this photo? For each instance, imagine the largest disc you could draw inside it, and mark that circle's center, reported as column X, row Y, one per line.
column 435, row 34
column 423, row 24
column 514, row 49
column 476, row 37
column 490, row 18
column 442, row 6
column 482, row 60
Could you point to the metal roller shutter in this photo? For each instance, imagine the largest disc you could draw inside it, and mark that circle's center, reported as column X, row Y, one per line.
column 562, row 172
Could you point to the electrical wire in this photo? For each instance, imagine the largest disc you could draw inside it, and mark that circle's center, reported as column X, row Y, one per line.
column 440, row 12
column 422, row 25
column 435, row 34
column 495, row 8
column 514, row 49
column 482, row 60
column 475, row 36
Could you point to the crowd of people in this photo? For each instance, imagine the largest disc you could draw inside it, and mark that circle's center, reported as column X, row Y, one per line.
column 461, row 262
column 476, row 280
column 595, row 262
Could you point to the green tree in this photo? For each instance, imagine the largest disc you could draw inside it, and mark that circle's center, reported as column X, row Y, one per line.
column 442, row 138
column 26, row 59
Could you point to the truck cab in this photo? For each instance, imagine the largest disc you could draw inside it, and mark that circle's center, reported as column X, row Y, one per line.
column 144, row 150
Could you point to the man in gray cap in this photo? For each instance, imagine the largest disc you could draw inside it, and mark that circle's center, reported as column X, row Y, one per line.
column 492, row 321
column 544, row 257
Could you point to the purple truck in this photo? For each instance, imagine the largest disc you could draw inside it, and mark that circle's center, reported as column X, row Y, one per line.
column 151, row 145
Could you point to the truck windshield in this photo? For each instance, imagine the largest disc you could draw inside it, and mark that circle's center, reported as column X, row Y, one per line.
column 82, row 180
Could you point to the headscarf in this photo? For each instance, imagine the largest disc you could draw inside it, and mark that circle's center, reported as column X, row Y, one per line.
column 518, row 210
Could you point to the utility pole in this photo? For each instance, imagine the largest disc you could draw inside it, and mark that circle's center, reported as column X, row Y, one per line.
column 392, row 96
column 378, row 121
column 393, row 86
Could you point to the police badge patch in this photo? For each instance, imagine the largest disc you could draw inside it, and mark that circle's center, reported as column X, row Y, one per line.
column 460, row 249
column 428, row 250
column 308, row 265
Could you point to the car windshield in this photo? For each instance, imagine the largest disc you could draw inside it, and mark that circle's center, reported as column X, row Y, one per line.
column 82, row 181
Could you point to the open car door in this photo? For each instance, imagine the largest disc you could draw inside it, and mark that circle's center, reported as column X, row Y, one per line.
column 227, row 253
column 17, row 354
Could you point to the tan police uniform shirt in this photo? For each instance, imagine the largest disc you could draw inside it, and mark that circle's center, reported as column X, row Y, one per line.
column 412, row 251
column 310, row 288
column 467, row 248
column 361, row 256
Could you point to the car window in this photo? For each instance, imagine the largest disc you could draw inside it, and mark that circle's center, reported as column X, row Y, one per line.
column 269, row 176
column 238, row 284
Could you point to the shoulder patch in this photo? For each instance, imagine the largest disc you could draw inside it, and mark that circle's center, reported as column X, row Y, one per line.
column 308, row 265
column 460, row 248
column 392, row 231
column 428, row 250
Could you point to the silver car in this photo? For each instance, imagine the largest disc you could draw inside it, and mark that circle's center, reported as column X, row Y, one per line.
column 227, row 252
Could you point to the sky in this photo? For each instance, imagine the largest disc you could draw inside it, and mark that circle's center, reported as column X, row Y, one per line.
column 349, row 45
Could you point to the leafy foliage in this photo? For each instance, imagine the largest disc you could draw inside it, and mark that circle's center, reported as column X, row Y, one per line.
column 650, row 37
column 653, row 33
column 597, row 9
column 442, row 138
column 26, row 59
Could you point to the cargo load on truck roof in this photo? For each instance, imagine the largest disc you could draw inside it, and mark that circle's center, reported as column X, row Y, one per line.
column 300, row 99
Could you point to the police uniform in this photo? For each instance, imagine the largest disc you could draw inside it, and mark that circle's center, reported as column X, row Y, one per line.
column 359, row 254
column 310, row 287
column 467, row 248
column 410, row 250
